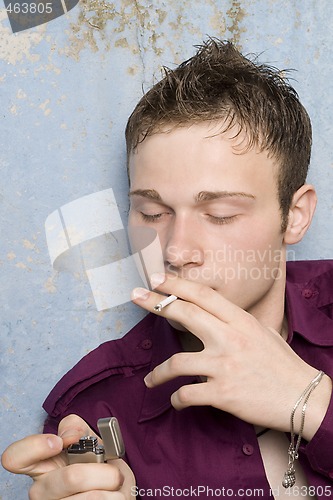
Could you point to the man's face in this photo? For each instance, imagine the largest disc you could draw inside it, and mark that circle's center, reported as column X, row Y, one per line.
column 215, row 209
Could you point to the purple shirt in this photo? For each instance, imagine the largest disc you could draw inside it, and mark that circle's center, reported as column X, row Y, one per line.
column 198, row 446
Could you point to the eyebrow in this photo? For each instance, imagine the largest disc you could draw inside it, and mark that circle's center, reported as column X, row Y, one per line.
column 151, row 194
column 216, row 195
column 203, row 196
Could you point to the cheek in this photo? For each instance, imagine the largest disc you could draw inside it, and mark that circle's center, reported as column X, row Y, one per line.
column 263, row 231
column 249, row 246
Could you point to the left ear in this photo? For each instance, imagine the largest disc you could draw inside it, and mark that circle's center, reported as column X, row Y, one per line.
column 300, row 214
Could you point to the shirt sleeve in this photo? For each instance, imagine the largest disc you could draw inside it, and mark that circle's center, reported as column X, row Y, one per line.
column 319, row 450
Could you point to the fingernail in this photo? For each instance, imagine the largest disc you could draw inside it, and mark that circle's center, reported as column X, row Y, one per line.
column 157, row 279
column 53, row 442
column 147, row 380
column 140, row 293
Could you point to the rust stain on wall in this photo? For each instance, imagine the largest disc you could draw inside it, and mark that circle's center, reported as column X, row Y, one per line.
column 103, row 25
column 146, row 21
column 236, row 14
column 14, row 49
column 89, row 31
column 50, row 286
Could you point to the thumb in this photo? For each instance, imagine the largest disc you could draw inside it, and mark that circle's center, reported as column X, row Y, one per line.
column 41, row 453
column 31, row 455
column 72, row 428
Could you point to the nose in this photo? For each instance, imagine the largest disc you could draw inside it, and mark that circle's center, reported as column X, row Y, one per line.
column 183, row 246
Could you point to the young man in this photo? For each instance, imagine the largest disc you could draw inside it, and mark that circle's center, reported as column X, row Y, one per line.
column 207, row 389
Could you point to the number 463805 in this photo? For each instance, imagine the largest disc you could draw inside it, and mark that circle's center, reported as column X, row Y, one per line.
column 30, row 8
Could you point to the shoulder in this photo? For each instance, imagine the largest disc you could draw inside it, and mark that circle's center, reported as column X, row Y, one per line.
column 111, row 359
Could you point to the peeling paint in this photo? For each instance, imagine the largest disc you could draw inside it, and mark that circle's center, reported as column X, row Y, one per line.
column 94, row 15
column 7, row 404
column 14, row 49
column 50, row 286
column 31, row 246
column 297, row 19
column 61, row 99
column 13, row 109
column 236, row 14
column 28, row 244
column 44, row 107
column 88, row 31
column 122, row 42
column 21, row 265
column 133, row 70
column 21, row 94
column 218, row 22
column 278, row 41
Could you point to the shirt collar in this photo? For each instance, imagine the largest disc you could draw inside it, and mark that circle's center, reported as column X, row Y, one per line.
column 309, row 309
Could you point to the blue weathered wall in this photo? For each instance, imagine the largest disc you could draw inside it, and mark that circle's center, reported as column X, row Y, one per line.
column 67, row 88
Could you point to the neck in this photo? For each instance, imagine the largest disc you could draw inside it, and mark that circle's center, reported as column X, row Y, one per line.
column 270, row 310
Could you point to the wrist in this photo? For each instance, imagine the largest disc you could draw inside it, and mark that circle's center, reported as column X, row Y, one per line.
column 317, row 407
column 289, row 478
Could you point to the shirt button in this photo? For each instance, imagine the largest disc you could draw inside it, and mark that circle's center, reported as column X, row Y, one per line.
column 307, row 293
column 146, row 344
column 248, row 449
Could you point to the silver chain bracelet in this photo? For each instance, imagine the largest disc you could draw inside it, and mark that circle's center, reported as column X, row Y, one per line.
column 289, row 478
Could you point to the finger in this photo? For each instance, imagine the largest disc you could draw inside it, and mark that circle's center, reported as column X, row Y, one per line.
column 197, row 293
column 25, row 456
column 191, row 395
column 195, row 319
column 72, row 428
column 40, row 454
column 180, row 364
column 128, row 487
column 77, row 478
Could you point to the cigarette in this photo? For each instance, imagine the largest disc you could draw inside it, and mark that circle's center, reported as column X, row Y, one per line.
column 165, row 302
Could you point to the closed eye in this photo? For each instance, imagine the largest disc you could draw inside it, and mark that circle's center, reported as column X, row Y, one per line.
column 151, row 217
column 221, row 220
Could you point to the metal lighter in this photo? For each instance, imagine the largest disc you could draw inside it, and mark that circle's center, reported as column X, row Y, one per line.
column 88, row 449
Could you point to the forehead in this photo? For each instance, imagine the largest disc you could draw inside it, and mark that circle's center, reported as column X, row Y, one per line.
column 202, row 154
